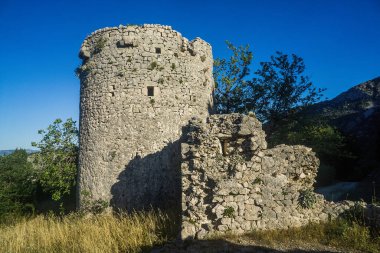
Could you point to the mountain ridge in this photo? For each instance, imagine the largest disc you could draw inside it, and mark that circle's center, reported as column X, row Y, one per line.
column 10, row 151
column 356, row 113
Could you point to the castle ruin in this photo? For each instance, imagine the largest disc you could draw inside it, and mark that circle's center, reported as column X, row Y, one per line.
column 231, row 181
column 147, row 140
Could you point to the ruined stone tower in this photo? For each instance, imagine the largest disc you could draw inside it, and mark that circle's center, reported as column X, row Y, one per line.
column 139, row 86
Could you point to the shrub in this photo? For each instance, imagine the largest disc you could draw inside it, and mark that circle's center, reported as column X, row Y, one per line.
column 153, row 65
column 83, row 70
column 92, row 206
column 330, row 145
column 307, row 198
column 355, row 214
column 229, row 212
column 17, row 184
column 99, row 45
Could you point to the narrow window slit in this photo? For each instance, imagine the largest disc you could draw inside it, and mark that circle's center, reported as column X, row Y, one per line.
column 150, row 91
column 225, row 147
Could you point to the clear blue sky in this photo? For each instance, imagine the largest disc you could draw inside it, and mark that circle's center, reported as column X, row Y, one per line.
column 39, row 43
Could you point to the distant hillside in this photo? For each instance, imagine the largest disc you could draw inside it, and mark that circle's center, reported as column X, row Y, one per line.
column 358, row 103
column 10, row 151
column 356, row 113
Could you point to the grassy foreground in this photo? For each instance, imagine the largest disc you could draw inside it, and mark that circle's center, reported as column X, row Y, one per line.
column 343, row 235
column 72, row 233
column 140, row 232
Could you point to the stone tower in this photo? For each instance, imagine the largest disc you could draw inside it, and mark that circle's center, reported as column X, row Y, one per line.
column 140, row 85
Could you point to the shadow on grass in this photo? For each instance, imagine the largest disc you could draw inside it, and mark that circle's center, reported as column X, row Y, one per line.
column 221, row 246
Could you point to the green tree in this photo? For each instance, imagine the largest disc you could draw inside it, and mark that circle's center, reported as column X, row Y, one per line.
column 229, row 76
column 277, row 90
column 323, row 138
column 17, row 184
column 57, row 158
column 280, row 89
column 330, row 145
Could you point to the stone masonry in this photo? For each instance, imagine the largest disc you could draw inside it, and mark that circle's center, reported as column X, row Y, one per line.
column 232, row 182
column 139, row 86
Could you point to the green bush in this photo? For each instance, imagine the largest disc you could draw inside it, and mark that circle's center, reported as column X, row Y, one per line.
column 99, row 45
column 307, row 198
column 153, row 65
column 17, row 184
column 330, row 145
column 92, row 206
column 57, row 159
column 229, row 212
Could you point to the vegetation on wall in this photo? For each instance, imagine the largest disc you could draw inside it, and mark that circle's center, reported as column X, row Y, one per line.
column 99, row 44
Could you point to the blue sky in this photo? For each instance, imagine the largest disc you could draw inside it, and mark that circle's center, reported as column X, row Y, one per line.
column 39, row 43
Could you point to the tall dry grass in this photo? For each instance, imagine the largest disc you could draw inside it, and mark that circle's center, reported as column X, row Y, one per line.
column 73, row 233
column 349, row 236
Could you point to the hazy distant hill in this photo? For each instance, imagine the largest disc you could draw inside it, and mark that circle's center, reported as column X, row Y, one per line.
column 10, row 151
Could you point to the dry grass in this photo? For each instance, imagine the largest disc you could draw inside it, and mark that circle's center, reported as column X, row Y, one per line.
column 139, row 232
column 72, row 233
column 348, row 236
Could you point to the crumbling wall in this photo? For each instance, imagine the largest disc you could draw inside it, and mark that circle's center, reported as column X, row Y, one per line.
column 232, row 182
column 139, row 86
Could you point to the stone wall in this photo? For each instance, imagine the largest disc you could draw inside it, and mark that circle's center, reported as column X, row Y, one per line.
column 232, row 182
column 139, row 86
